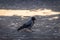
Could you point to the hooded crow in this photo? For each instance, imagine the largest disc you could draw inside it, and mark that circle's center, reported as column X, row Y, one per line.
column 28, row 24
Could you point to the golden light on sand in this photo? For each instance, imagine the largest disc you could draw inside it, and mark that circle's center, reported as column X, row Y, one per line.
column 44, row 12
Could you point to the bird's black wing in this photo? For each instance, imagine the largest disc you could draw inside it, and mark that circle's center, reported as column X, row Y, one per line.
column 22, row 27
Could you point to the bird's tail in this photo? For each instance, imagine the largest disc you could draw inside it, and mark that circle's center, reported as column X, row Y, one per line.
column 20, row 28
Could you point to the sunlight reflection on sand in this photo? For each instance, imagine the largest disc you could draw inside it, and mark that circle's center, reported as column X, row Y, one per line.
column 45, row 12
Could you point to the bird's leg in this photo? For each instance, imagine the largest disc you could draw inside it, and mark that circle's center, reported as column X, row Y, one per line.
column 28, row 30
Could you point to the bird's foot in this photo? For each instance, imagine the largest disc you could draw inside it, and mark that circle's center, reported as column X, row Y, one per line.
column 27, row 30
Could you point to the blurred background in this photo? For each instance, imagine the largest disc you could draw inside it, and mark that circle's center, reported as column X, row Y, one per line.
column 14, row 13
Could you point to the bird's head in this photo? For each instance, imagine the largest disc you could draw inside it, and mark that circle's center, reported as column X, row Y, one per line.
column 33, row 18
